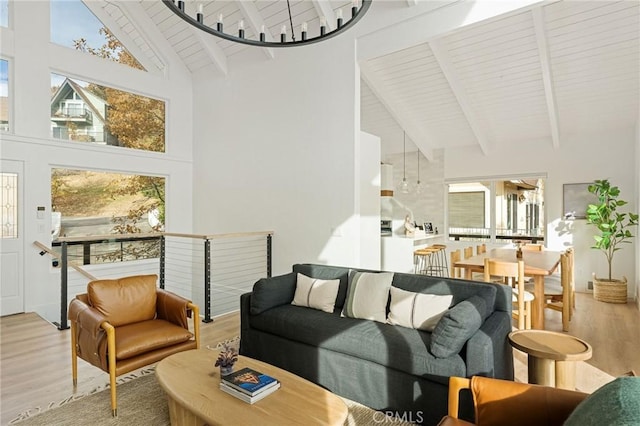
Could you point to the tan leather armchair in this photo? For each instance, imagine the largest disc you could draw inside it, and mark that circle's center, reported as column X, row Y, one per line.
column 123, row 324
column 503, row 403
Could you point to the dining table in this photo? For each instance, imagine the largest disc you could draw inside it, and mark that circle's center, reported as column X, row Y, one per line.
column 537, row 265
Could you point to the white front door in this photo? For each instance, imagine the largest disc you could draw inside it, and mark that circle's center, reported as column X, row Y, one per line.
column 11, row 238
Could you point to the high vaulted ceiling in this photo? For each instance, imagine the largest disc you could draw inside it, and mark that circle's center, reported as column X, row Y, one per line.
column 537, row 75
column 541, row 74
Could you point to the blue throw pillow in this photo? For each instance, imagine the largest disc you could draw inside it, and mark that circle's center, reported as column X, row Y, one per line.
column 616, row 403
column 457, row 326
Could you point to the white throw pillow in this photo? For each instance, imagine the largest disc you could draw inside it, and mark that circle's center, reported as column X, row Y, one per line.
column 367, row 295
column 315, row 293
column 417, row 310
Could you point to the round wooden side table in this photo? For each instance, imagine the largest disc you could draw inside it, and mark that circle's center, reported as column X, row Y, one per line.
column 551, row 356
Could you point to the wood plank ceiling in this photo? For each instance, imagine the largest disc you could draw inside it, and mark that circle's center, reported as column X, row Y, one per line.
column 557, row 69
column 538, row 75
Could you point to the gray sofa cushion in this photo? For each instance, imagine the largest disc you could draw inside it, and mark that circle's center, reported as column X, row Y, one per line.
column 401, row 348
column 457, row 325
column 271, row 292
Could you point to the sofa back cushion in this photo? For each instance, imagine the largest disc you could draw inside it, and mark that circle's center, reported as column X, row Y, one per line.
column 457, row 326
column 125, row 300
column 271, row 292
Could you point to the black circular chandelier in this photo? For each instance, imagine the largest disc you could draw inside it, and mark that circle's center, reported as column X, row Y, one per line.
column 178, row 7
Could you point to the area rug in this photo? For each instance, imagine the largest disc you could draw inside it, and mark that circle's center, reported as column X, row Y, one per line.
column 142, row 402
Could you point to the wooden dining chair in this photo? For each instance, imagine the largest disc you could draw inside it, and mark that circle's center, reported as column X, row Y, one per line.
column 533, row 247
column 468, row 252
column 512, row 273
column 455, row 256
column 481, row 248
column 559, row 293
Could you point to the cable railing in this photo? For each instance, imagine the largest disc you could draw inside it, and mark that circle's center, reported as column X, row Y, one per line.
column 502, row 235
column 211, row 270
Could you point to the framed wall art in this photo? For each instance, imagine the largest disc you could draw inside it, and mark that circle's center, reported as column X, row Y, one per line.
column 575, row 200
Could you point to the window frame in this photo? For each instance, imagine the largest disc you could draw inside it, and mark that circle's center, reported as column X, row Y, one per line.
column 492, row 180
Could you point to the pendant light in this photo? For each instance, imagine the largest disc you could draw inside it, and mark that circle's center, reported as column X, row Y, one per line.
column 404, row 185
column 418, row 183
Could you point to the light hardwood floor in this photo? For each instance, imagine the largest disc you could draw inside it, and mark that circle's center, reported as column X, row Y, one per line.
column 35, row 364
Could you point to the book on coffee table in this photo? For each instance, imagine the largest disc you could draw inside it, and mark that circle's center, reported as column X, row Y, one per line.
column 249, row 381
column 246, row 398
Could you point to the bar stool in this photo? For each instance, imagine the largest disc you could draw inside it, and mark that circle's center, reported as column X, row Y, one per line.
column 422, row 260
column 441, row 265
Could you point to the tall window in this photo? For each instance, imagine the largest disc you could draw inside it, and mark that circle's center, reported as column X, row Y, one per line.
column 74, row 25
column 89, row 203
column 4, row 95
column 89, row 112
column 496, row 210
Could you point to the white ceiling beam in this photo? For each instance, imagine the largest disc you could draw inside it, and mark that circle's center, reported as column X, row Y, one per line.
column 445, row 62
column 397, row 111
column 547, row 75
column 251, row 14
column 323, row 8
column 152, row 34
column 208, row 42
column 98, row 9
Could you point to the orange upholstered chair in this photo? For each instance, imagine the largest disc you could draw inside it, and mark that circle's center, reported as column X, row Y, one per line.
column 505, row 403
column 123, row 324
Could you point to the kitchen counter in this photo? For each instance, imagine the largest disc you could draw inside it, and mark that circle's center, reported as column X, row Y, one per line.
column 397, row 250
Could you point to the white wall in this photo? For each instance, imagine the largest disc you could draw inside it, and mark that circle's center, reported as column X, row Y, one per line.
column 31, row 59
column 368, row 182
column 275, row 150
column 579, row 159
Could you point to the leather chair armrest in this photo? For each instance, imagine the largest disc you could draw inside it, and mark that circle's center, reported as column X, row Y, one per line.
column 171, row 307
column 85, row 316
column 90, row 337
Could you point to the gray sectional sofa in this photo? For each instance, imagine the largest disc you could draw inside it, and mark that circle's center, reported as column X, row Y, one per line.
column 403, row 371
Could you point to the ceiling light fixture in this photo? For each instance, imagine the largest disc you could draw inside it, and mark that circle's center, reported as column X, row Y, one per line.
column 418, row 183
column 264, row 36
column 404, row 185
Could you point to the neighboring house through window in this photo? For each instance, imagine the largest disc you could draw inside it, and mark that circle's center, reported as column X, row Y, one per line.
column 79, row 114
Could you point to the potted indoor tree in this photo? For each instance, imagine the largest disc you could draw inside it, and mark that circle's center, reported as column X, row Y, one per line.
column 613, row 230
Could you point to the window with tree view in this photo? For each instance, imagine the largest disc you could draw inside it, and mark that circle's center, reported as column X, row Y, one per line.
column 90, row 203
column 89, row 112
column 501, row 210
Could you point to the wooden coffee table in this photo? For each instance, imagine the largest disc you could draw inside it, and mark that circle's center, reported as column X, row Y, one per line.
column 192, row 385
column 551, row 356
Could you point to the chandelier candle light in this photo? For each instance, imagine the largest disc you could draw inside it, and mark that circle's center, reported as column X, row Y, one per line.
column 178, row 7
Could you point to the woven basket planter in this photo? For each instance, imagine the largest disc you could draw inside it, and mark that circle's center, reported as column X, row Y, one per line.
column 610, row 291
